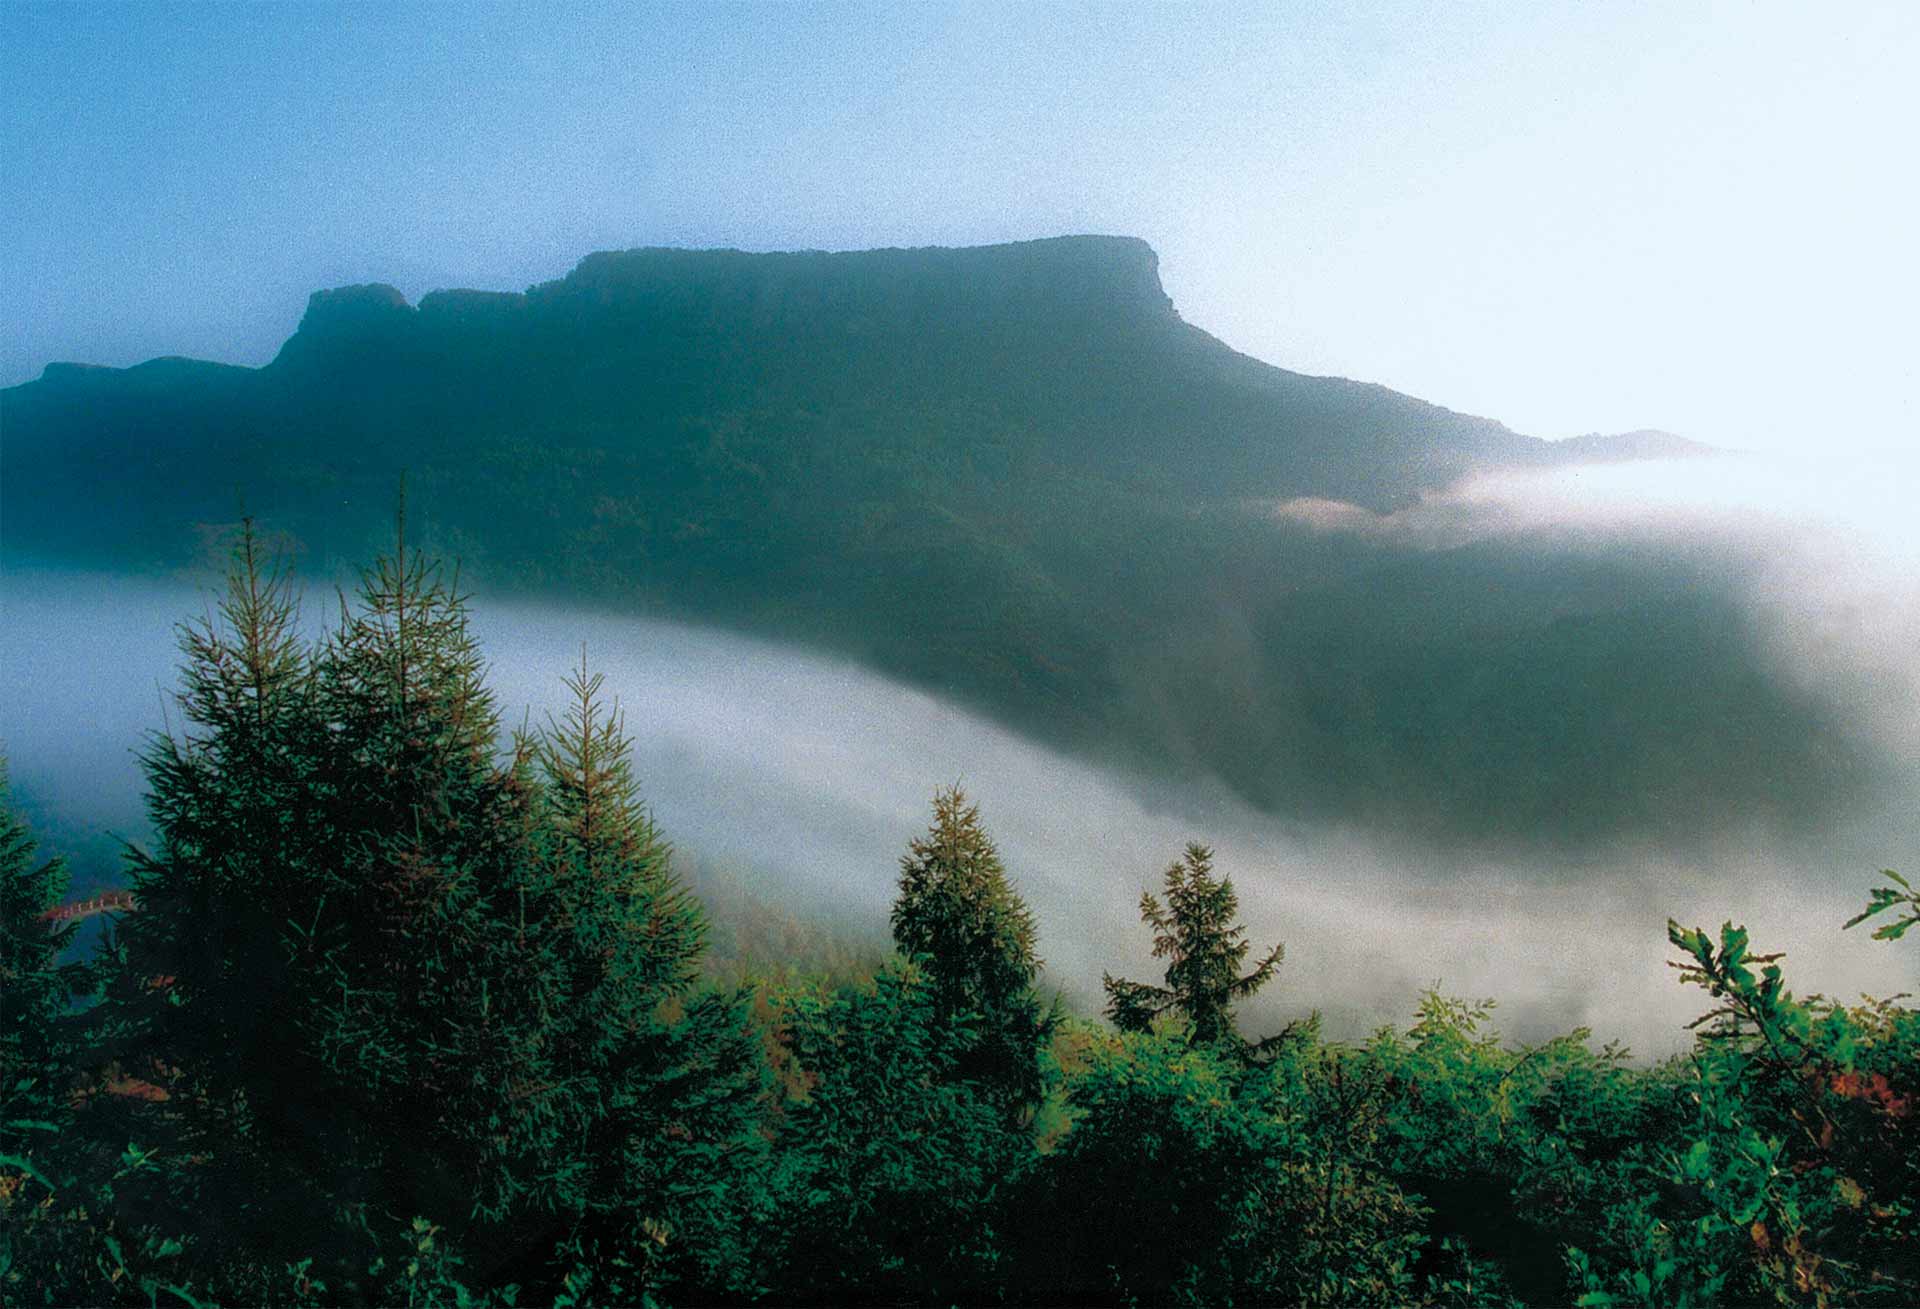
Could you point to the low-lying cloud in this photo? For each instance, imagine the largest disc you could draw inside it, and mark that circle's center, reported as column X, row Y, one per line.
column 1824, row 551
column 814, row 773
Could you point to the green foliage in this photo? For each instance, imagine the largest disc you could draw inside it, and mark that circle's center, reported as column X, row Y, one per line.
column 893, row 1163
column 1795, row 1179
column 409, row 1015
column 381, row 970
column 50, row 1244
column 1458, row 1088
column 959, row 918
column 36, row 1046
column 1191, row 1178
column 1900, row 895
column 202, row 991
column 667, row 1140
column 1204, row 949
column 1507, row 1147
column 423, row 1273
column 99, row 1230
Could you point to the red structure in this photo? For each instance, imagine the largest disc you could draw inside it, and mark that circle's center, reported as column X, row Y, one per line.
column 107, row 902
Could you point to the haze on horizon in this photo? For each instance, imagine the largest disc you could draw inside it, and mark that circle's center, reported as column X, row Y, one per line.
column 1608, row 218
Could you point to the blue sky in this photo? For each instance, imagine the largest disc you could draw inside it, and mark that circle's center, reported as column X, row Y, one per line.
column 1570, row 218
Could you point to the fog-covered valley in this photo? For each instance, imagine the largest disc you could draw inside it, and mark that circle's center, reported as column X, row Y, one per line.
column 808, row 774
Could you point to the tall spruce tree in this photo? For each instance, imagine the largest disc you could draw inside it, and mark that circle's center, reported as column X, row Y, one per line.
column 438, row 973
column 1204, row 949
column 673, row 1070
column 226, row 797
column 205, row 990
column 959, row 917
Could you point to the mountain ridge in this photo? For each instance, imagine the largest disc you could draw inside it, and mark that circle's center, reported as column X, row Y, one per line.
column 1011, row 476
column 1100, row 273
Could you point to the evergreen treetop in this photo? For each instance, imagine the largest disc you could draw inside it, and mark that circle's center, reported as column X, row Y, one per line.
column 958, row 916
column 957, row 910
column 1204, row 948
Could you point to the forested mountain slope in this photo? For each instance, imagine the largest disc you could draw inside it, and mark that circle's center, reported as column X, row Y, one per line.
column 1010, row 474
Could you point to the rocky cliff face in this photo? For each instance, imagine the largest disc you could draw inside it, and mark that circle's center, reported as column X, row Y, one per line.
column 1077, row 278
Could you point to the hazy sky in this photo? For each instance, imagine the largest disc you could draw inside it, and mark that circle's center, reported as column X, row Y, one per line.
column 1603, row 216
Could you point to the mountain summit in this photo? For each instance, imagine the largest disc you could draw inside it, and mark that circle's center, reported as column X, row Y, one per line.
column 1066, row 351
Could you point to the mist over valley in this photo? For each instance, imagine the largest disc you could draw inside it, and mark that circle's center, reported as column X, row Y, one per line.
column 802, row 772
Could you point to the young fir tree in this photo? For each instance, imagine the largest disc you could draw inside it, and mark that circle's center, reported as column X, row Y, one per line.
column 1204, row 949
column 440, row 966
column 673, row 1067
column 225, row 795
column 960, row 919
column 204, row 987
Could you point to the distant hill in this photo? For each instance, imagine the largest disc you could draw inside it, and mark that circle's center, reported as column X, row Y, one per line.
column 1011, row 474
column 1623, row 447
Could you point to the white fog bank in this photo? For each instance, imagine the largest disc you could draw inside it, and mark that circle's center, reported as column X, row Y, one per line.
column 1833, row 540
column 814, row 774
column 817, row 773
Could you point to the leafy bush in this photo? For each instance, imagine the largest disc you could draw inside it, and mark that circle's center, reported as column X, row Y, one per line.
column 1795, row 1177
column 893, row 1164
column 1189, row 1177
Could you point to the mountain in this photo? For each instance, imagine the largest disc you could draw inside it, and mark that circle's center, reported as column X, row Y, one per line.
column 1062, row 355
column 1011, row 474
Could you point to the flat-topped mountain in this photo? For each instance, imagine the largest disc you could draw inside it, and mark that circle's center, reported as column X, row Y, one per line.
column 1065, row 352
column 1012, row 474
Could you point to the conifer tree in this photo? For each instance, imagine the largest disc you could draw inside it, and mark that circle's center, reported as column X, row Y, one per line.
column 226, row 794
column 35, row 987
column 672, row 1067
column 204, row 994
column 1204, row 949
column 960, row 918
column 438, row 969
column 404, row 982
